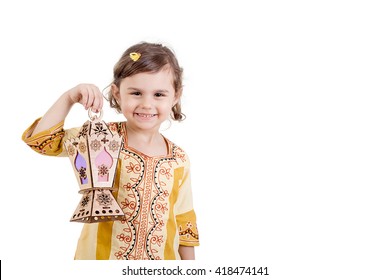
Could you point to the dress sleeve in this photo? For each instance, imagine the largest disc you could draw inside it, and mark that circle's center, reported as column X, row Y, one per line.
column 185, row 214
column 48, row 142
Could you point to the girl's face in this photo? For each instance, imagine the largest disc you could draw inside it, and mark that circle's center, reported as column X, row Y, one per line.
column 146, row 99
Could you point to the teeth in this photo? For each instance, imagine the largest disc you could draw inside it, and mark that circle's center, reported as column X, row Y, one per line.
column 145, row 115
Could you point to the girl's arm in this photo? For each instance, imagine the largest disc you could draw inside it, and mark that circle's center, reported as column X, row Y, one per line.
column 86, row 94
column 187, row 252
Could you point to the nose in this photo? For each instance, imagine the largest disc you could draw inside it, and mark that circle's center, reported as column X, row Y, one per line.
column 146, row 102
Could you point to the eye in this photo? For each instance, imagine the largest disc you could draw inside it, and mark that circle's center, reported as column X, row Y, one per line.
column 136, row 93
column 159, row 94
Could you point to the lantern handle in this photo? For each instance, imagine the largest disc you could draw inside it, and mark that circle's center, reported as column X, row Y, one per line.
column 98, row 116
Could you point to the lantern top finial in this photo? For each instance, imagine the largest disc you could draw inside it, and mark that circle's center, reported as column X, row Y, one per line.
column 93, row 117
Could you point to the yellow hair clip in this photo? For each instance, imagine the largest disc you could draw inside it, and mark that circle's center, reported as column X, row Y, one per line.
column 135, row 56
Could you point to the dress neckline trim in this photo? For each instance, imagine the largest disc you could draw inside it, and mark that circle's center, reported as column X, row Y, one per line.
column 169, row 144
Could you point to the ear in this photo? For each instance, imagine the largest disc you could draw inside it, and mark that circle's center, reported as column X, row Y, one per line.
column 115, row 92
column 177, row 97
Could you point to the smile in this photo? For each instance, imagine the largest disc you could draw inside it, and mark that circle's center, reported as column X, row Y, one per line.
column 145, row 115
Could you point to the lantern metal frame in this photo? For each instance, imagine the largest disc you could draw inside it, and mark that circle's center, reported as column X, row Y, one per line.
column 94, row 154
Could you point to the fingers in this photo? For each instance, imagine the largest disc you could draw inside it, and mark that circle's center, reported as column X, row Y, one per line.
column 90, row 97
column 93, row 99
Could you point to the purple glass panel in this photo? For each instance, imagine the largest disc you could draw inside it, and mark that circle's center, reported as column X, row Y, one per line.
column 81, row 166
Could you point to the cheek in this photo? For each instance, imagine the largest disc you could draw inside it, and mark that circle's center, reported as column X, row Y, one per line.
column 167, row 108
column 126, row 108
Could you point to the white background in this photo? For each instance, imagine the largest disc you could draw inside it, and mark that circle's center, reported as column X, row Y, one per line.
column 287, row 128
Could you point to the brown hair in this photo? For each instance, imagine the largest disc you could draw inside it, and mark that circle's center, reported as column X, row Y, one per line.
column 154, row 57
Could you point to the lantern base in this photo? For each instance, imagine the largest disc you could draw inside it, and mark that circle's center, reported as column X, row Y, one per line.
column 97, row 205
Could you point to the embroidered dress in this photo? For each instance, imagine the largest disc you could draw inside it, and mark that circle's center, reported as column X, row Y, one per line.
column 154, row 193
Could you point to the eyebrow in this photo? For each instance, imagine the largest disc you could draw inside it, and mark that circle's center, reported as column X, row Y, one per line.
column 137, row 89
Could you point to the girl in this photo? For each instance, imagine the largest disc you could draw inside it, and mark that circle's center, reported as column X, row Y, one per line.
column 160, row 221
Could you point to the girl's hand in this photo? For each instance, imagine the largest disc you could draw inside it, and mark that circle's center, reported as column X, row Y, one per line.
column 87, row 95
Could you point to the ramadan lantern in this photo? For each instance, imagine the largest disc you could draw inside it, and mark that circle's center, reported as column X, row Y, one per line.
column 94, row 157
